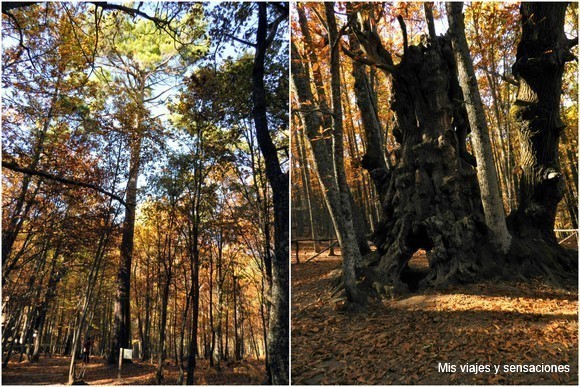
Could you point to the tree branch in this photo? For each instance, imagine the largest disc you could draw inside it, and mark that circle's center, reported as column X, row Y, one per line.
column 350, row 20
column 430, row 21
column 15, row 167
column 274, row 26
column 10, row 5
column 366, row 61
column 404, row 30
column 21, row 45
column 131, row 11
column 505, row 78
column 233, row 37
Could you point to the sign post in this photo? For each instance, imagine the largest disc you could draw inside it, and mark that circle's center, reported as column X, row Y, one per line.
column 120, row 363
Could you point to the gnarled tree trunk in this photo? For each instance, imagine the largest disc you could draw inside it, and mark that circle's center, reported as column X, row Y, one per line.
column 541, row 56
column 431, row 200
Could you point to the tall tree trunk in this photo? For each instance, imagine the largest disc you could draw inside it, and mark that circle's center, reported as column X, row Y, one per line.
column 194, row 293
column 236, row 327
column 211, row 319
column 345, row 198
column 184, row 320
column 327, row 120
column 305, row 175
column 279, row 311
column 486, row 172
column 122, row 324
column 374, row 159
column 541, row 56
column 324, row 166
column 163, row 324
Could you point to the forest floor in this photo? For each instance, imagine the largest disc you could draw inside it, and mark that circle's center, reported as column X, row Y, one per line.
column 405, row 341
column 54, row 371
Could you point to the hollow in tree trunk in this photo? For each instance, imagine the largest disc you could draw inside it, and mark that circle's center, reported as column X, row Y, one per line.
column 431, row 199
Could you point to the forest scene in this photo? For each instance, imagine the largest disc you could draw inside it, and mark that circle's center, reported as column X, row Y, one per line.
column 434, row 193
column 145, row 193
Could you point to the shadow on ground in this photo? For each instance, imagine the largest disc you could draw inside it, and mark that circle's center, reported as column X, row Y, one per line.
column 404, row 341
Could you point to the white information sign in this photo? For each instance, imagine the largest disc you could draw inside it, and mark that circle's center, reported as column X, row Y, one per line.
column 127, row 353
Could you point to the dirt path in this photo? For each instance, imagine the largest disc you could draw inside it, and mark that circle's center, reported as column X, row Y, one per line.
column 54, row 371
column 403, row 341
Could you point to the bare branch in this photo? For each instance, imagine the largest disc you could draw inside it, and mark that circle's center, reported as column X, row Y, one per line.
column 21, row 45
column 233, row 37
column 274, row 27
column 131, row 11
column 504, row 77
column 15, row 167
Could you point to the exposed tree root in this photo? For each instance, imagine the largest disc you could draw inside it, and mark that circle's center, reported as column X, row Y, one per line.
column 536, row 257
column 527, row 259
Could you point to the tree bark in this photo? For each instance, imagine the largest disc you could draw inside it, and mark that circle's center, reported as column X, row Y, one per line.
column 431, row 200
column 327, row 118
column 319, row 140
column 193, row 247
column 486, row 172
column 122, row 322
column 373, row 160
column 541, row 56
column 278, row 343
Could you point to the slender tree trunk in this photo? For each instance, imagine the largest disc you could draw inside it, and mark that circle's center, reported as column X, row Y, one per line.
column 22, row 207
column 163, row 325
column 194, row 294
column 211, row 322
column 279, row 311
column 146, row 349
column 327, row 120
column 486, row 172
column 184, row 319
column 324, row 167
column 226, row 353
column 303, row 162
column 236, row 328
column 345, row 197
